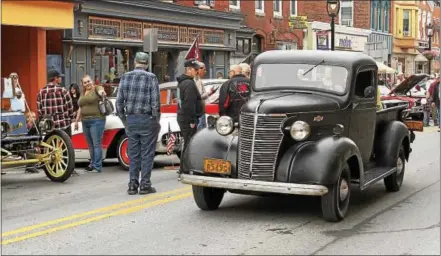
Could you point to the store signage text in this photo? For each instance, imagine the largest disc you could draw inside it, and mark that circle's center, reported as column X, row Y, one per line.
column 345, row 43
column 132, row 30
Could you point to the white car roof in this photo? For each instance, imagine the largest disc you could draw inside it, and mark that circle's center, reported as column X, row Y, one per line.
column 174, row 84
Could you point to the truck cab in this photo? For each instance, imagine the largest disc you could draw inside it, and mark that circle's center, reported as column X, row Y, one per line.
column 311, row 127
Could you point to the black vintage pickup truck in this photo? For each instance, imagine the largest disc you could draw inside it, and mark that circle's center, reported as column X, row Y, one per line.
column 311, row 127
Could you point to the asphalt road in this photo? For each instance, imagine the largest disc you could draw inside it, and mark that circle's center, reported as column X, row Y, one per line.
column 92, row 214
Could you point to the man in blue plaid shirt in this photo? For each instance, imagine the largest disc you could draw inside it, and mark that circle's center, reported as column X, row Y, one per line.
column 137, row 104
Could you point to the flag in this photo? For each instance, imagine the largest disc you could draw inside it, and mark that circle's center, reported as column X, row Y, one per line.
column 194, row 52
column 170, row 141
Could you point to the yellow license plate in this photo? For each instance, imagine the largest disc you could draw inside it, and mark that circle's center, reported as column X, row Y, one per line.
column 415, row 125
column 217, row 166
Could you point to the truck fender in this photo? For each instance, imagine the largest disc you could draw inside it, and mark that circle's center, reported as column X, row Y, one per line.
column 319, row 162
column 388, row 140
column 207, row 143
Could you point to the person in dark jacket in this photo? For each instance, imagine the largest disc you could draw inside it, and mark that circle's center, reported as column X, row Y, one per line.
column 436, row 101
column 189, row 101
column 234, row 93
column 75, row 95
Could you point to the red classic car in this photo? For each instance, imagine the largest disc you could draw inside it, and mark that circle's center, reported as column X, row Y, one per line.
column 402, row 92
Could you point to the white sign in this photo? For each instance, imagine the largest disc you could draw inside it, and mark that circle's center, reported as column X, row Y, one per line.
column 350, row 42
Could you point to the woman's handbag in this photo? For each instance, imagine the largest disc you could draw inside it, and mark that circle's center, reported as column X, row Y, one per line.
column 104, row 105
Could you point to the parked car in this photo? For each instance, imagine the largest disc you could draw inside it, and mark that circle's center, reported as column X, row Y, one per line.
column 115, row 141
column 310, row 128
column 411, row 92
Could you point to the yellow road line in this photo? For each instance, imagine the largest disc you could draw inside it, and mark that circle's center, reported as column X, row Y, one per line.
column 100, row 210
column 96, row 218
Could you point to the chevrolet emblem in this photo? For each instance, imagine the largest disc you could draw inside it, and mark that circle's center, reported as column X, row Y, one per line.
column 318, row 118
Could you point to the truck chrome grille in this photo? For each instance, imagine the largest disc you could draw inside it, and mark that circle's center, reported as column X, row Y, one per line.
column 259, row 145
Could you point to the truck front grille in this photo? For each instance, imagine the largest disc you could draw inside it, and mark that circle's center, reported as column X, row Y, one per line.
column 259, row 144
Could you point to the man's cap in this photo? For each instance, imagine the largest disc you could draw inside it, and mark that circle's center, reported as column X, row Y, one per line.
column 142, row 58
column 192, row 63
column 54, row 73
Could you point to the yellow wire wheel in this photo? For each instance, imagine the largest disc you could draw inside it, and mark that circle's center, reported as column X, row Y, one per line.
column 62, row 156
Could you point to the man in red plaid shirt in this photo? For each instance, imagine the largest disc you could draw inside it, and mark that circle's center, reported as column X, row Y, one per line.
column 54, row 100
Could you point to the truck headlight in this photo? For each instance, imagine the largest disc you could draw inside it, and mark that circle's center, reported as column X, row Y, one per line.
column 300, row 130
column 224, row 125
column 46, row 125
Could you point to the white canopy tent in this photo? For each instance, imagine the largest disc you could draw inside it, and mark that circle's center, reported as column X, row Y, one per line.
column 383, row 69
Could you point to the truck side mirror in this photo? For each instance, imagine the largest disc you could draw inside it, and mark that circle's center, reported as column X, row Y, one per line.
column 369, row 92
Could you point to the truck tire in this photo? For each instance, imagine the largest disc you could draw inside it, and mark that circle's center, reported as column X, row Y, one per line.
column 335, row 203
column 206, row 198
column 394, row 181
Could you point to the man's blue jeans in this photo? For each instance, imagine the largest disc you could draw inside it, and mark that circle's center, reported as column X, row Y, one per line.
column 142, row 132
column 93, row 130
column 202, row 122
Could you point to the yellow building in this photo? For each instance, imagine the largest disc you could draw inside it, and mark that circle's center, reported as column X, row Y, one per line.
column 405, row 28
column 23, row 44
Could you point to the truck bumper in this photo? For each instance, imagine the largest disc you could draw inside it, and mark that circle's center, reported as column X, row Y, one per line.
column 254, row 185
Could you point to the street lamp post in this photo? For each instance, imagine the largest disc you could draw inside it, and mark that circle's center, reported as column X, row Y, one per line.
column 430, row 34
column 333, row 8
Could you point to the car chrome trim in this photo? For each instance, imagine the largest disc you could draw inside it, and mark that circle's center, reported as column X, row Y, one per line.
column 254, row 185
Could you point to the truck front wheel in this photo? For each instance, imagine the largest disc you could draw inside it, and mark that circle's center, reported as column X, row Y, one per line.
column 335, row 203
column 394, row 181
column 208, row 199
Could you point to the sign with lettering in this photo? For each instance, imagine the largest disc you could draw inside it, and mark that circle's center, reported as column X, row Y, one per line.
column 133, row 30
column 168, row 36
column 350, row 42
column 322, row 40
column 104, row 31
column 298, row 22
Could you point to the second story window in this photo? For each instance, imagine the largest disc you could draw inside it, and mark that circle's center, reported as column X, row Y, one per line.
column 406, row 22
column 346, row 13
column 277, row 7
column 259, row 5
column 206, row 2
column 293, row 8
column 235, row 4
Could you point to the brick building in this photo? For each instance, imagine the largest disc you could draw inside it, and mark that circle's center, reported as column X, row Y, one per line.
column 352, row 27
column 264, row 27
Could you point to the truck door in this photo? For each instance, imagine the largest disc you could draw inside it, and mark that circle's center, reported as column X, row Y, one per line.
column 363, row 116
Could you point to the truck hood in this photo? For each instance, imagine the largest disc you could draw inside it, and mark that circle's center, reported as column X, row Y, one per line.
column 408, row 84
column 282, row 103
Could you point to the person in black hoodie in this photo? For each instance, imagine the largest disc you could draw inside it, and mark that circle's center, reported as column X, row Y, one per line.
column 189, row 101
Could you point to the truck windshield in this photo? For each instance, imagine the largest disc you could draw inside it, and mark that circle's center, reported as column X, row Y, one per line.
column 290, row 76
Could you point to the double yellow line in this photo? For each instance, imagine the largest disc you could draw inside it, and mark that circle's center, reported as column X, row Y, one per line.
column 105, row 212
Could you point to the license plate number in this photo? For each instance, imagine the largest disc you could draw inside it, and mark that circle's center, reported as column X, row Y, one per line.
column 415, row 126
column 217, row 166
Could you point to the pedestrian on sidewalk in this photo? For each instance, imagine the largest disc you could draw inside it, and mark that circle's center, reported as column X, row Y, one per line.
column 432, row 99
column 75, row 94
column 189, row 101
column 234, row 93
column 54, row 101
column 138, row 106
column 93, row 122
column 204, row 94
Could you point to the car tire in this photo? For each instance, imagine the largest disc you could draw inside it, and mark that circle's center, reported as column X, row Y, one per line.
column 335, row 204
column 394, row 181
column 121, row 152
column 65, row 164
column 208, row 199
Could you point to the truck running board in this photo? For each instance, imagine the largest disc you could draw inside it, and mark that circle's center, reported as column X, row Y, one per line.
column 375, row 174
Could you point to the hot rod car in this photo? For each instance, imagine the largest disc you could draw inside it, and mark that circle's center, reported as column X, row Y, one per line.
column 43, row 147
column 311, row 127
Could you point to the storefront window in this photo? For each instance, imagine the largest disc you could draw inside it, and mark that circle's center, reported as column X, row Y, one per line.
column 243, row 46
column 110, row 64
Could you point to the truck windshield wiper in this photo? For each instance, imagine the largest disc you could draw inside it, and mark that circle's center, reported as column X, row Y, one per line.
column 309, row 70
